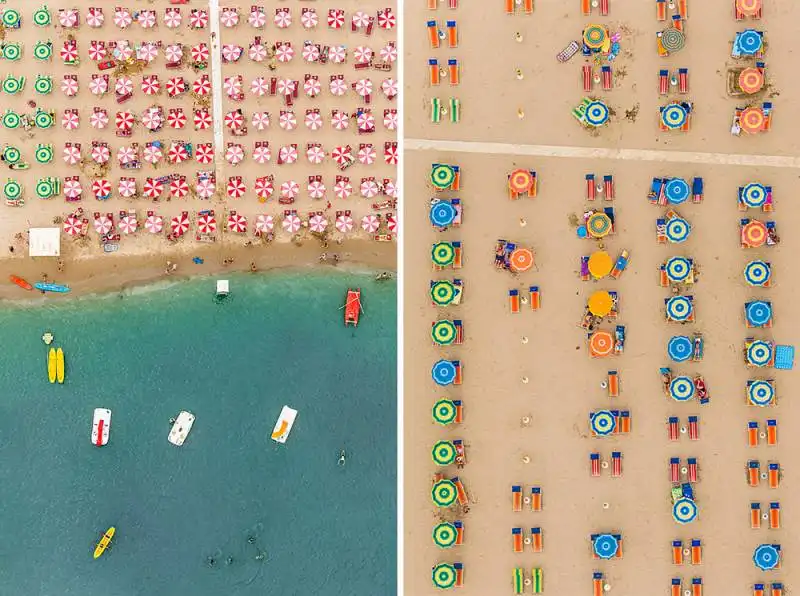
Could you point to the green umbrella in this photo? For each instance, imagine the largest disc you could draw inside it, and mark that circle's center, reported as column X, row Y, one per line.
column 11, row 155
column 13, row 85
column 12, row 51
column 10, row 18
column 443, row 293
column 443, row 332
column 44, row 153
column 443, row 453
column 443, row 254
column 444, row 411
column 41, row 17
column 12, row 189
column 442, row 175
column 444, row 576
column 43, row 85
column 444, row 493
column 11, row 119
column 44, row 188
column 43, row 119
column 445, row 535
column 43, row 50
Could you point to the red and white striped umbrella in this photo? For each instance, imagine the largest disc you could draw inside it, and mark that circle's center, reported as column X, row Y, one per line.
column 344, row 223
column 362, row 54
column 363, row 87
column 126, row 154
column 177, row 152
column 152, row 188
column 97, row 50
column 122, row 17
column 199, row 52
column 335, row 18
column 291, row 223
column 257, row 18
column 235, row 187
column 128, row 224
column 73, row 226
column 173, row 18
column 100, row 154
column 337, row 54
column 370, row 223
column 234, row 119
column 311, row 52
column 315, row 154
column 126, row 187
column 68, row 17
column 257, row 52
column 287, row 154
column 151, row 85
column 232, row 86
column 262, row 154
column 316, row 189
column 70, row 120
column 147, row 51
column 237, row 223
column 309, row 18
column 260, row 120
column 179, row 224
column 284, row 86
column 98, row 119
column 206, row 224
column 198, row 19
column 284, row 52
column 391, row 223
column 360, row 19
column 69, row 85
column 313, row 120
column 312, row 87
column 390, row 188
column 343, row 189
column 234, row 154
column 340, row 120
column 154, row 223
column 283, row 18
column 229, row 17
column 367, row 155
column 264, row 223
column 369, row 188
column 123, row 51
column 391, row 155
column 98, row 85
column 178, row 187
column 287, row 120
column 259, row 87
column 204, row 153
column 338, row 86
column 342, row 155
column 264, row 188
column 72, row 155
column 317, row 223
column 69, row 52
column 176, row 118
column 390, row 88
column 124, row 120
column 390, row 119
column 290, row 189
column 202, row 85
column 152, row 119
column 95, row 17
column 231, row 52
column 146, row 19
column 205, row 187
column 365, row 121
column 103, row 224
column 388, row 52
column 386, row 19
column 72, row 189
column 101, row 188
column 202, row 119
column 176, row 86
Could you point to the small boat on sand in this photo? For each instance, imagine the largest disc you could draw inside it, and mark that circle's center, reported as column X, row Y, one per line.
column 284, row 425
column 51, row 365
column 101, row 426
column 46, row 286
column 20, row 282
column 352, row 307
column 181, row 427
column 105, row 542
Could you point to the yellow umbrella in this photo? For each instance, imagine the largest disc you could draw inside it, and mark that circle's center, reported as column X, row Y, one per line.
column 600, row 264
column 600, row 303
column 599, row 225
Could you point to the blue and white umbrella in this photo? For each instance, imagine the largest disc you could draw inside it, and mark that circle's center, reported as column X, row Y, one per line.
column 603, row 423
column 749, row 42
column 754, row 195
column 767, row 556
column 679, row 308
column 674, row 115
column 677, row 190
column 758, row 312
column 680, row 348
column 678, row 229
column 759, row 353
column 760, row 393
column 757, row 273
column 442, row 214
column 606, row 546
column 681, row 389
column 678, row 269
column 444, row 372
column 596, row 114
column 684, row 511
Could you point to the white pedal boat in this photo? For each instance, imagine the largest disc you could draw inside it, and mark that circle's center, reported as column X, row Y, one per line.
column 180, row 430
column 284, row 425
column 101, row 426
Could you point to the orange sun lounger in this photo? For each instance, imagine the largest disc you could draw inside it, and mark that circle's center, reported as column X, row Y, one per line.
column 752, row 433
column 755, row 516
column 753, row 472
column 459, row 373
column 516, row 540
column 516, row 498
column 696, row 552
column 535, row 297
column 537, row 540
column 536, row 498
column 459, row 574
column 459, row 412
column 613, row 383
column 677, row 552
column 597, row 584
column 772, row 432
column 773, row 475
column 774, row 516
column 676, row 587
column 461, row 491
column 459, row 532
column 697, row 586
column 513, row 300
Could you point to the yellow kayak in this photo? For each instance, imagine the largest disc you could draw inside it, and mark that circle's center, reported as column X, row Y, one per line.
column 60, row 365
column 51, row 365
column 104, row 542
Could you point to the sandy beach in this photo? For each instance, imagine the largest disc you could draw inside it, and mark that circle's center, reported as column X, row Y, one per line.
column 564, row 384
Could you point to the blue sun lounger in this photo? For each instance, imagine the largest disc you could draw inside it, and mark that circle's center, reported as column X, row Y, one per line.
column 784, row 357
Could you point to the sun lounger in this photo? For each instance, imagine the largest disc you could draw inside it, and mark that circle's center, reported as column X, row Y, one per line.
column 606, row 78
column 537, row 540
column 753, row 472
column 455, row 110
column 459, row 574
column 513, row 299
column 683, row 81
column 758, row 589
column 697, row 586
column 661, row 230
column 616, row 466
column 694, row 428
column 462, row 493
column 673, row 430
column 774, row 516
column 459, row 412
column 433, row 71
column 597, row 584
column 594, row 464
column 752, row 433
column 677, row 552
column 696, row 552
column 452, row 34
column 537, row 580
column 518, row 579
column 586, row 71
column 586, row 8
column 620, row 265
column 613, row 383
column 536, row 498
column 459, row 372
column 516, row 498
column 459, row 532
column 772, row 431
column 624, row 422
column 773, row 475
column 453, row 71
column 674, row 469
column 436, row 110
column 755, row 515
column 433, row 34
column 535, row 297
column 584, row 270
column 516, row 540
column 591, row 189
column 777, row 589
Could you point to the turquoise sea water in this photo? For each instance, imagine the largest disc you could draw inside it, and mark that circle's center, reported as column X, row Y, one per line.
column 323, row 528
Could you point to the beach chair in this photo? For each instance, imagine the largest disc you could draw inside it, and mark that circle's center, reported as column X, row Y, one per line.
column 459, row 372
column 696, row 552
column 597, row 584
column 614, row 305
column 661, row 10
column 460, row 491
column 459, row 412
column 535, row 298
column 774, row 516
column 537, row 580
column 613, row 383
column 584, row 269
column 621, row 264
column 594, row 464
column 459, row 331
column 452, row 34
column 453, row 72
column 459, row 567
column 753, row 473
column 758, row 589
column 697, row 582
column 661, row 230
column 537, row 540
column 517, row 540
column 514, row 302
column 773, row 475
column 518, row 579
column 677, row 552
column 777, row 589
column 459, row 532
column 772, row 431
column 755, row 516
column 616, row 471
column 673, row 428
column 536, row 498
column 752, row 433
column 516, row 498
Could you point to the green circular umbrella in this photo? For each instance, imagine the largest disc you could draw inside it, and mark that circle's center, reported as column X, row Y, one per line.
column 43, row 85
column 444, row 576
column 444, row 411
column 11, row 119
column 11, row 154
column 12, row 51
column 44, row 189
column 445, row 535
column 43, row 50
column 443, row 453
column 443, row 254
column 444, row 332
column 41, row 17
column 442, row 175
column 444, row 493
column 44, row 153
column 11, row 18
column 13, row 190
column 12, row 85
column 443, row 293
column 43, row 119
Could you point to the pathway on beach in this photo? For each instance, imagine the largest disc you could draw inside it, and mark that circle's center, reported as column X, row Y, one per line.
column 216, row 84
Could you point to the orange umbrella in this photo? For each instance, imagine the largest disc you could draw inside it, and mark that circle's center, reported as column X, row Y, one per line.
column 520, row 181
column 751, row 120
column 748, row 8
column 601, row 343
column 751, row 80
column 600, row 303
column 600, row 264
column 754, row 234
column 521, row 259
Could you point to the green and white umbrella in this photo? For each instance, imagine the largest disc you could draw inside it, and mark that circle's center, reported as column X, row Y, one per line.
column 443, row 293
column 443, row 254
column 444, row 576
column 44, row 188
column 43, row 85
column 444, row 332
column 12, row 189
column 42, row 17
column 444, row 411
column 442, row 175
column 12, row 51
column 43, row 50
column 443, row 453
column 10, row 18
column 10, row 119
column 44, row 153
column 13, row 85
column 445, row 535
column 43, row 119
column 11, row 155
column 444, row 493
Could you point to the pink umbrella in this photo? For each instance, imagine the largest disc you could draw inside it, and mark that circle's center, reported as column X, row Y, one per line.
column 340, row 120
column 367, row 155
column 128, row 224
column 389, row 88
column 391, row 223
column 365, row 121
column 124, row 120
column 153, row 187
column 316, row 189
column 309, row 18
column 284, row 52
column 73, row 188
column 98, row 85
column 390, row 188
column 237, row 223
column 173, row 18
column 236, row 187
column 101, row 188
column 176, row 118
column 257, row 52
column 259, row 87
column 260, row 120
column 362, row 54
column 205, row 187
column 264, row 188
column 151, row 85
column 70, row 120
column 360, row 19
column 154, row 223
column 312, row 86
column 73, row 226
column 287, row 154
column 126, row 154
column 234, row 154
column 126, row 187
column 262, row 154
column 179, row 224
column 148, row 52
column 283, row 18
column 178, row 187
column 390, row 119
column 291, row 223
column 229, row 17
column 311, row 52
column 95, row 17
column 72, row 154
column 176, row 86
column 337, row 54
column 369, row 188
column 231, row 52
column 338, row 86
column 335, row 18
column 264, row 223
column 284, row 86
column 343, row 189
column 69, row 52
column 204, row 153
column 390, row 154
column 344, row 223
column 389, row 52
column 206, row 224
column 363, row 87
column 342, row 155
column 100, row 153
column 123, row 51
column 98, row 119
column 97, row 50
column 290, row 189
column 198, row 18
column 257, row 18
column 69, row 85
column 315, row 154
column 386, row 19
column 234, row 119
column 177, row 152
column 202, row 85
column 103, row 224
column 233, row 86
column 317, row 223
column 313, row 120
column 370, row 223
column 146, row 19
column 287, row 120
column 202, row 119
column 152, row 119
column 122, row 17
column 199, row 52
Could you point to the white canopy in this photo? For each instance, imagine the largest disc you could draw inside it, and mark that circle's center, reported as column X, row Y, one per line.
column 44, row 242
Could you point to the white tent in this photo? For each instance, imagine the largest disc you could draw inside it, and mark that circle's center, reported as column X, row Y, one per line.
column 44, row 242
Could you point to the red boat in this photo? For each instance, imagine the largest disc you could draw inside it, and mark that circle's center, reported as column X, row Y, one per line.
column 352, row 307
column 20, row 282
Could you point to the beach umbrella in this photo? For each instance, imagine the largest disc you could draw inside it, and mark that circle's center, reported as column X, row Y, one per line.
column 337, row 54
column 444, row 576
column 309, row 19
column 390, row 189
column 673, row 116
column 443, row 293
column 759, row 353
column 287, row 154
column 101, row 189
column 103, row 224
column 43, row 85
column 11, row 119
column 678, row 269
column 362, row 54
column 680, row 348
column 758, row 312
column 260, row 120
column 442, row 176
column 602, row 422
column 125, row 154
column 179, row 188
column 44, row 188
column 264, row 223
column 363, row 87
column 600, row 264
column 317, row 223
column 748, row 8
column 287, row 120
column 754, row 233
column 41, row 17
column 12, row 189
column 152, row 188
column 290, row 189
column 68, row 17
column 344, row 223
column 677, row 190
column 316, row 189
column 128, row 224
column 176, row 119
column 681, row 388
column 343, row 188
column 601, row 343
column 760, row 392
column 751, row 80
column 390, row 88
column 126, row 187
column 122, row 17
column 605, row 546
column 444, row 372
column 71, row 155
column 235, row 188
column 751, row 120
column 594, row 36
column 521, row 259
column 313, row 120
column 198, row 19
column 13, row 85
column 154, row 223
column 600, row 303
column 386, row 19
column 234, row 154
column 443, row 254
column 10, row 18
column 312, row 87
column 596, row 113
column 179, row 224
column 367, row 154
column 443, row 453
column 43, row 50
column 172, row 18
column 237, row 223
column 442, row 214
column 672, row 39
column 259, row 86
column 388, row 53
column 229, row 17
column 444, row 332
column 444, row 412
column 757, row 273
column 520, row 181
column 291, row 223
column 73, row 226
column 766, row 556
column 95, row 17
column 257, row 18
column 69, row 85
column 284, row 52
column 202, row 86
column 70, row 120
column 261, row 153
column 598, row 225
column 152, row 153
column 283, row 18
column 445, row 535
column 335, row 18
column 340, row 120
column 11, row 155
column 684, row 511
column 679, row 308
column 754, row 195
column 749, row 42
column 444, row 493
column 678, row 230
column 391, row 155
column 12, row 51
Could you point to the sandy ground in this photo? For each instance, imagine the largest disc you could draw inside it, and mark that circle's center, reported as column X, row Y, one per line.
column 141, row 252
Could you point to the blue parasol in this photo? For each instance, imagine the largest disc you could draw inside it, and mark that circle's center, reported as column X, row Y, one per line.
column 749, row 42
column 602, row 422
column 681, row 389
column 442, row 214
column 757, row 273
column 684, row 511
column 596, row 113
column 760, row 392
column 674, row 115
column 679, row 308
column 758, row 312
column 676, row 190
column 754, row 195
column 759, row 353
column 767, row 556
column 678, row 269
column 444, row 372
column 680, row 348
column 605, row 546
column 678, row 229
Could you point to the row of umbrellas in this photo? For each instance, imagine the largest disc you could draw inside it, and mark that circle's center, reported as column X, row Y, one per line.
column 234, row 87
column 311, row 52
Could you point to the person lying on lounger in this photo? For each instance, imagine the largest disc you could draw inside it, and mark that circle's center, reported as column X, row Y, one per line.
column 700, row 386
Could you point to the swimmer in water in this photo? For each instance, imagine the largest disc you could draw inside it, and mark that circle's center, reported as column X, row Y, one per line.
column 342, row 458
column 211, row 561
column 229, row 560
column 251, row 539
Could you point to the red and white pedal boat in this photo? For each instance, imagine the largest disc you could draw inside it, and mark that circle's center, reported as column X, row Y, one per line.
column 101, row 426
